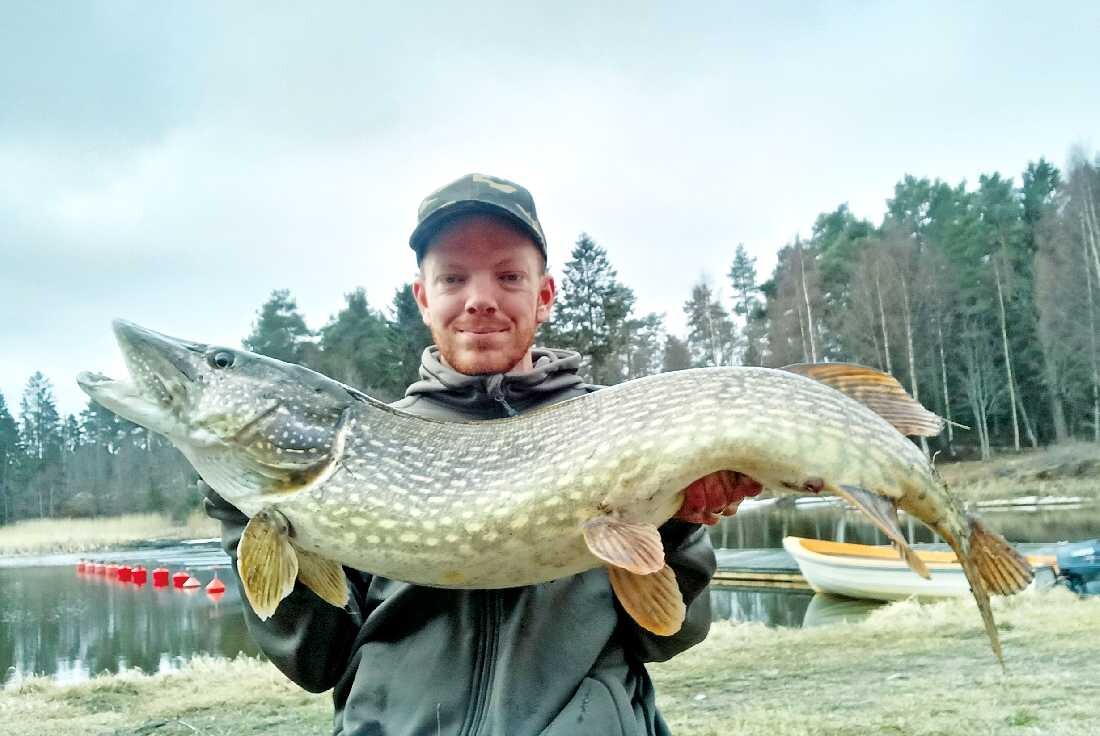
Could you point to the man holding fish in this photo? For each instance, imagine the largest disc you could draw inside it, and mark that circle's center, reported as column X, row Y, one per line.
column 560, row 657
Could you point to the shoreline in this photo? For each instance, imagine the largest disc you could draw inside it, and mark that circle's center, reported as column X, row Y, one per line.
column 911, row 669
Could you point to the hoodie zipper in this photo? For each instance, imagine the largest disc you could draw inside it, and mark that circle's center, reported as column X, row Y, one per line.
column 485, row 665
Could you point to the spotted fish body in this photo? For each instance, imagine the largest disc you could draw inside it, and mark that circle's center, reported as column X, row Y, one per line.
column 329, row 475
column 502, row 503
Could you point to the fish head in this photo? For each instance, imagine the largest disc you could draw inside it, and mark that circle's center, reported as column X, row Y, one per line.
column 237, row 415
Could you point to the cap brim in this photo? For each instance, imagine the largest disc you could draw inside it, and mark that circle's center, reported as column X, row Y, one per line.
column 422, row 235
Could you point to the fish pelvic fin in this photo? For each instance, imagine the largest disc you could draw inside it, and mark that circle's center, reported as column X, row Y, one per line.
column 981, row 595
column 880, row 392
column 883, row 512
column 266, row 561
column 654, row 601
column 1004, row 570
column 323, row 576
column 636, row 548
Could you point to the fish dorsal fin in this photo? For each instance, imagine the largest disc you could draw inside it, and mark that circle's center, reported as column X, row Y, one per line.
column 654, row 600
column 880, row 392
column 884, row 513
column 633, row 547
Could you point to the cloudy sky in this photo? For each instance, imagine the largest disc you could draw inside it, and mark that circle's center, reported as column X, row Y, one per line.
column 172, row 163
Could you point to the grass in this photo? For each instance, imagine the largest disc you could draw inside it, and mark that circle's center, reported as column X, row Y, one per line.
column 910, row 669
column 42, row 536
column 1071, row 469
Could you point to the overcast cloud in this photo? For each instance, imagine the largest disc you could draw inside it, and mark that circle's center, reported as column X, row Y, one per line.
column 172, row 163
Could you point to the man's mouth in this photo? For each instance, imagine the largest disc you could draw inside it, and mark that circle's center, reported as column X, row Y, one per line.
column 483, row 330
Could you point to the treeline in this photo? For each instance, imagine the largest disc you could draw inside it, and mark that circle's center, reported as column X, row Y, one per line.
column 984, row 301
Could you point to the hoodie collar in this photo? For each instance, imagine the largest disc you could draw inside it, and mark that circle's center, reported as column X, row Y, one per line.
column 554, row 370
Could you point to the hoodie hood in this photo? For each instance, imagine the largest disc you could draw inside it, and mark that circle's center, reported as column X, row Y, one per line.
column 498, row 394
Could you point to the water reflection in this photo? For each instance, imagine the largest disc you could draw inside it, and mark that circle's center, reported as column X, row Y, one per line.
column 54, row 621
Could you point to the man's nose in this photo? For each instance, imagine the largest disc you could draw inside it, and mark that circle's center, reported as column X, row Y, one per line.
column 481, row 298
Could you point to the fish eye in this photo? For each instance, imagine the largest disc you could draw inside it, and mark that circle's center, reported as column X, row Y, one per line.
column 221, row 359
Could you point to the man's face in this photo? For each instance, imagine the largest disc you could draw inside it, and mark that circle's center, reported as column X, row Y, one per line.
column 482, row 293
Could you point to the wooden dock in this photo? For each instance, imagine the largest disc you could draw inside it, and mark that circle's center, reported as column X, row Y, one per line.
column 758, row 568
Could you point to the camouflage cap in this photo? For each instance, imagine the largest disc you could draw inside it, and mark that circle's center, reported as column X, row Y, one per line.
column 476, row 193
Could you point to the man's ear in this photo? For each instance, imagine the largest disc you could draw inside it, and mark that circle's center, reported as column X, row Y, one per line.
column 420, row 293
column 547, row 290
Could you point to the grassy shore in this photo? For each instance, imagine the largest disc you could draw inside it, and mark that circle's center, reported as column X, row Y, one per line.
column 909, row 669
column 1071, row 469
column 43, row 536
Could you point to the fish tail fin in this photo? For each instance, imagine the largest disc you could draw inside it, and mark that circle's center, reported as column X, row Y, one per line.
column 981, row 594
column 1004, row 570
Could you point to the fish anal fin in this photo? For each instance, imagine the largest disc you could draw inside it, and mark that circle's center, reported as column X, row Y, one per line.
column 1004, row 570
column 266, row 561
column 323, row 576
column 884, row 513
column 653, row 600
column 633, row 547
column 880, row 392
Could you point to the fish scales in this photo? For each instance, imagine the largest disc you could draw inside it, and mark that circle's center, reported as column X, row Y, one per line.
column 321, row 468
column 751, row 419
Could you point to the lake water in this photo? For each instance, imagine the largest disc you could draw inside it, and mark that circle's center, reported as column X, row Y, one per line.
column 57, row 622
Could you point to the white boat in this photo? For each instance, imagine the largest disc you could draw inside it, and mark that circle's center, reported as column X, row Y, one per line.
column 878, row 573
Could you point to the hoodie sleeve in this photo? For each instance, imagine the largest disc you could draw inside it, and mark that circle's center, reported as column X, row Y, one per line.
column 689, row 553
column 309, row 640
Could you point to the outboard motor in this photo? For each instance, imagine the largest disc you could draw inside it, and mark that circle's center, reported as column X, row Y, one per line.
column 1079, row 565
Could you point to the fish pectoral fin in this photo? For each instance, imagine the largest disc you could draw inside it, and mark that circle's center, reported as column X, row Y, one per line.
column 880, row 392
column 653, row 600
column 323, row 576
column 633, row 547
column 884, row 513
column 1004, row 570
column 266, row 561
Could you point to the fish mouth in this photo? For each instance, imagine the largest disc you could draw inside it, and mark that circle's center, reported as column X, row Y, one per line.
column 161, row 369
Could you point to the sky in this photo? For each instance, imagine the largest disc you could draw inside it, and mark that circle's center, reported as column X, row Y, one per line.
column 173, row 163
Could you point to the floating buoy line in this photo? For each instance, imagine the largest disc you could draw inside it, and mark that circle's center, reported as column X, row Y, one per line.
column 162, row 577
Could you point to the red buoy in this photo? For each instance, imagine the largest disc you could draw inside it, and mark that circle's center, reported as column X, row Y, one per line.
column 191, row 583
column 80, row 566
column 179, row 578
column 215, row 585
column 112, row 571
column 138, row 576
column 100, row 568
column 124, row 573
column 160, row 577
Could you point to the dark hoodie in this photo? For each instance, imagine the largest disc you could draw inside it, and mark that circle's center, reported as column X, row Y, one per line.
column 557, row 659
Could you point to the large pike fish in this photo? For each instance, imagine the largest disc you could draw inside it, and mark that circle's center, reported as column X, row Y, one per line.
column 331, row 477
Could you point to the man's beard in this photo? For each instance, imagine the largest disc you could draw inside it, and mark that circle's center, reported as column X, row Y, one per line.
column 474, row 362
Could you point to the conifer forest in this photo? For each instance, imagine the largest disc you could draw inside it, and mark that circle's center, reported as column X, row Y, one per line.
column 982, row 298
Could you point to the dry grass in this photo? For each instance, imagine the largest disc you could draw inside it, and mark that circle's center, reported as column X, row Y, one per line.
column 909, row 669
column 1071, row 469
column 40, row 536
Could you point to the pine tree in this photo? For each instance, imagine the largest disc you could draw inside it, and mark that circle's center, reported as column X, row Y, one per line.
column 353, row 345
column 407, row 336
column 677, row 356
column 10, row 452
column 746, row 300
column 711, row 337
column 40, row 424
column 279, row 330
column 592, row 311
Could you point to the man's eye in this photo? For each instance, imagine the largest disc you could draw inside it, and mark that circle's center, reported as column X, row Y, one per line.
column 452, row 279
column 512, row 277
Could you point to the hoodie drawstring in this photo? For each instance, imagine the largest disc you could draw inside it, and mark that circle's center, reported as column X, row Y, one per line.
column 494, row 387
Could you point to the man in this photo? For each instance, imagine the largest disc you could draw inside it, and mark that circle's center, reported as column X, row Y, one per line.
column 559, row 659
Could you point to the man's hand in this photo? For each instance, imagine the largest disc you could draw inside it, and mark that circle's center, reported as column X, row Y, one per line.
column 716, row 495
